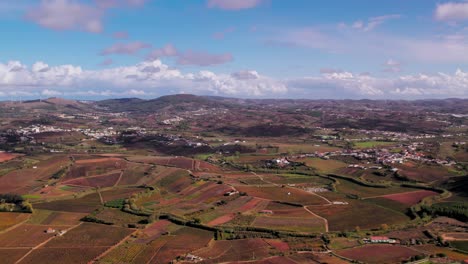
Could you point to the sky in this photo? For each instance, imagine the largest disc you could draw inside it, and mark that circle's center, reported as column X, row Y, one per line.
column 333, row 49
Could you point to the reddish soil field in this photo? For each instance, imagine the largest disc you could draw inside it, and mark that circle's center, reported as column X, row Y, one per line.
column 410, row 198
column 90, row 235
column 107, row 180
column 234, row 250
column 183, row 163
column 119, row 193
column 26, row 235
column 278, row 244
column 451, row 254
column 207, row 167
column 423, row 173
column 4, row 156
column 99, row 160
column 221, row 220
column 153, row 231
column 287, row 210
column 211, row 193
column 63, row 218
column 84, row 204
column 310, row 224
column 136, row 174
column 186, row 240
column 286, row 194
column 10, row 219
column 12, row 255
column 25, row 180
column 250, row 205
column 347, row 217
column 63, row 255
column 379, row 254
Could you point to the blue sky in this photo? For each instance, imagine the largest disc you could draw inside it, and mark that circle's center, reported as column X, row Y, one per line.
column 241, row 48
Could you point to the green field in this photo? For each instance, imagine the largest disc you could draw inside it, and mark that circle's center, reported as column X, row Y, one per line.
column 371, row 144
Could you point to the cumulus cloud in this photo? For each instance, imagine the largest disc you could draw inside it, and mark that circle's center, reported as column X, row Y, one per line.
column 245, row 75
column 153, row 78
column 148, row 78
column 233, row 4
column 348, row 85
column 125, row 48
column 452, row 11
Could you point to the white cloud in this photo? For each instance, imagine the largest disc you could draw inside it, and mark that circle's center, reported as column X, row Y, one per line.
column 143, row 79
column 125, row 48
column 233, row 4
column 74, row 14
column 452, row 11
column 371, row 24
column 153, row 78
column 67, row 15
column 190, row 57
column 348, row 85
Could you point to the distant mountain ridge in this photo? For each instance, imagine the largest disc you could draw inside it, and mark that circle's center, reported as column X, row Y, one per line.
column 190, row 102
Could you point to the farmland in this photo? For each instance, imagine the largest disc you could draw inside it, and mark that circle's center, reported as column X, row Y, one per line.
column 409, row 198
column 289, row 183
column 379, row 253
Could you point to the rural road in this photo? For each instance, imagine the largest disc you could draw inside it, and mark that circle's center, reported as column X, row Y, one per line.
column 318, row 216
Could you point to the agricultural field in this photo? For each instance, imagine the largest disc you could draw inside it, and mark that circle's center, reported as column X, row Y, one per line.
column 27, row 235
column 286, row 194
column 379, row 253
column 5, row 156
column 372, row 144
column 410, row 198
column 224, row 180
column 324, row 166
column 349, row 216
column 310, row 224
column 62, row 255
column 45, row 217
column 85, row 204
column 90, row 235
column 12, row 255
column 28, row 178
column 348, row 187
column 9, row 219
column 234, row 250
column 450, row 253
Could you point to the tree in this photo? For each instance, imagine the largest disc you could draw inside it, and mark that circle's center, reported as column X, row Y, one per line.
column 384, row 227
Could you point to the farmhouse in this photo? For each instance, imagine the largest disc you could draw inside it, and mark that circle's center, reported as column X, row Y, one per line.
column 232, row 192
column 380, row 239
column 49, row 230
column 193, row 258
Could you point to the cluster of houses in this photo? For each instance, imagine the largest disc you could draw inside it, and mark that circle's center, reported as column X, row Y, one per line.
column 384, row 156
column 177, row 140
